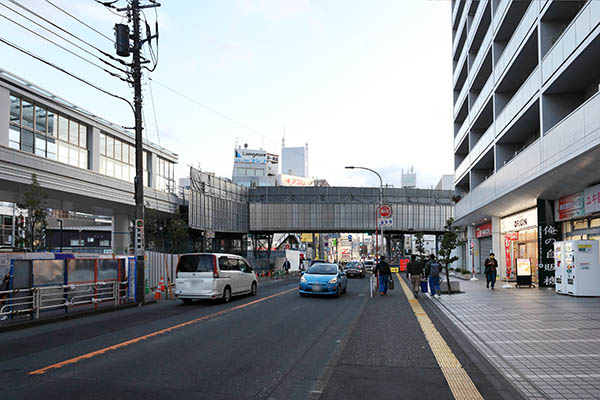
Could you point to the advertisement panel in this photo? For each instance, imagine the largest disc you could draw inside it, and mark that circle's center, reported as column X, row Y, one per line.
column 483, row 230
column 292, row 180
column 591, row 198
column 250, row 156
column 570, row 206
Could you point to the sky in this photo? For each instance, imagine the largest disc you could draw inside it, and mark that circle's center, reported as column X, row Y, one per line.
column 364, row 83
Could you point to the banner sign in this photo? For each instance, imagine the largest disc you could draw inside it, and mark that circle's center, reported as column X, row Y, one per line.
column 507, row 239
column 483, row 230
column 571, row 206
column 291, row 180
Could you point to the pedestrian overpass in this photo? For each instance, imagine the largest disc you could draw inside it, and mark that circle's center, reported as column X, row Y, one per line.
column 225, row 211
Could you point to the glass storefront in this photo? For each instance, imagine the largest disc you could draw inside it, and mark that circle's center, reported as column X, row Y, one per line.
column 519, row 233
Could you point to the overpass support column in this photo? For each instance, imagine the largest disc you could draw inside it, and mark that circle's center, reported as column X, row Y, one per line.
column 120, row 234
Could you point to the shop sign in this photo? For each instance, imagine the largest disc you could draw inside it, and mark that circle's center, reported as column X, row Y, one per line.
column 523, row 267
column 519, row 221
column 591, row 199
column 250, row 156
column 548, row 233
column 291, row 180
column 570, row 206
column 483, row 230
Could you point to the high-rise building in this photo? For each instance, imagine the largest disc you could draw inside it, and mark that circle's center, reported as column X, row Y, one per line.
column 408, row 178
column 294, row 160
column 446, row 182
column 254, row 167
column 526, row 129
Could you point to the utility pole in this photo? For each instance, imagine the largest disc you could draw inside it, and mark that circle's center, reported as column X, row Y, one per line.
column 122, row 45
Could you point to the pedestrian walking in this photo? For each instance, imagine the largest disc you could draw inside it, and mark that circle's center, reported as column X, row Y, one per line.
column 491, row 269
column 432, row 270
column 286, row 266
column 414, row 271
column 383, row 272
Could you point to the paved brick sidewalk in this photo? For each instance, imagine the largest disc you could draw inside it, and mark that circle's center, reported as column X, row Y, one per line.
column 546, row 344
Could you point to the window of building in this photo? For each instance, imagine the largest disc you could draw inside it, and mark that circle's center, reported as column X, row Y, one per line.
column 165, row 175
column 35, row 129
column 104, row 243
column 117, row 158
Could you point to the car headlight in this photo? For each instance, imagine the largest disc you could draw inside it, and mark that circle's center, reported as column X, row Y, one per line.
column 333, row 280
column 303, row 279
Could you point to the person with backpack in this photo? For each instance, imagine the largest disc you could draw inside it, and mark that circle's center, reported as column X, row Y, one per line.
column 414, row 272
column 433, row 269
column 286, row 266
column 384, row 274
column 491, row 267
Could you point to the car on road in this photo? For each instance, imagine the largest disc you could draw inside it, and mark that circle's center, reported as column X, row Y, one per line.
column 369, row 265
column 355, row 268
column 323, row 279
column 213, row 276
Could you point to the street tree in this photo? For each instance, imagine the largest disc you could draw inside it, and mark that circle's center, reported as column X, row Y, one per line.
column 177, row 233
column 420, row 246
column 450, row 241
column 32, row 220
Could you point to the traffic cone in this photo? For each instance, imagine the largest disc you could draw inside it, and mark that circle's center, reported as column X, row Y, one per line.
column 163, row 289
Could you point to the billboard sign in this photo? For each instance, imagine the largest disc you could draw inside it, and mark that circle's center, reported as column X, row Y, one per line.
column 591, row 198
column 250, row 156
column 292, row 180
column 519, row 221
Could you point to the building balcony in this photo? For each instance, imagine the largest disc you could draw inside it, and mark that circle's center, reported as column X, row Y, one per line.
column 462, row 132
column 517, row 40
column 516, row 104
column 482, row 98
column 462, row 168
column 483, row 50
column 460, row 99
column 462, row 31
column 572, row 38
column 499, row 13
column 483, row 143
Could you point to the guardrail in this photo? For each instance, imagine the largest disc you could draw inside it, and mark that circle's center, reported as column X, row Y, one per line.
column 34, row 300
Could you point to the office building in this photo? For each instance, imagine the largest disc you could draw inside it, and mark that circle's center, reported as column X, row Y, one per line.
column 526, row 129
column 294, row 160
column 253, row 168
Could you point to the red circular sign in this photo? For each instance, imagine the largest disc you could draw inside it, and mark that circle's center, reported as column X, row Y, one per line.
column 385, row 211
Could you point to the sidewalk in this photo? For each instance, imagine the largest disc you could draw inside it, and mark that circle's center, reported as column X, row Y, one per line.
column 386, row 356
column 546, row 344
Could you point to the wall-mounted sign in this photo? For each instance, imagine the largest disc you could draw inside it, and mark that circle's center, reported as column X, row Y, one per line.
column 591, row 199
column 483, row 230
column 570, row 206
column 519, row 221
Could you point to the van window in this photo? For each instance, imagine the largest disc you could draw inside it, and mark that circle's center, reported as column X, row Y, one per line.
column 235, row 266
column 244, row 267
column 195, row 263
column 225, row 264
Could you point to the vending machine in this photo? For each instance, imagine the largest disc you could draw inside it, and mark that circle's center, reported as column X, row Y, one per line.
column 582, row 268
column 559, row 268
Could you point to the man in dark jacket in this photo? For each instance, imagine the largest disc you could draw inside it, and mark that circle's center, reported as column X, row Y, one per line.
column 432, row 270
column 414, row 271
column 383, row 272
column 491, row 267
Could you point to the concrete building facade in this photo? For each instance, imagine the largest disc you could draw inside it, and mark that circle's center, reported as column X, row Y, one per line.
column 526, row 128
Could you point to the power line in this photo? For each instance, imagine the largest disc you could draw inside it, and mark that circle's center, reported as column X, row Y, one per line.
column 68, row 33
column 64, row 48
column 78, row 20
column 62, row 37
column 35, row 56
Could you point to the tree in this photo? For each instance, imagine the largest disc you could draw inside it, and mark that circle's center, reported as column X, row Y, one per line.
column 177, row 233
column 450, row 242
column 33, row 224
column 420, row 246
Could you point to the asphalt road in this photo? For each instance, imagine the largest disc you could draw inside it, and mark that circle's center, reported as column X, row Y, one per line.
column 276, row 345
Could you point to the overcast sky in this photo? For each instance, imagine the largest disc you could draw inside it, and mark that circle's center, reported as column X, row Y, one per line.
column 362, row 82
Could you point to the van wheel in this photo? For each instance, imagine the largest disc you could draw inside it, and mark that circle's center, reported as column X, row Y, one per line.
column 227, row 294
column 253, row 289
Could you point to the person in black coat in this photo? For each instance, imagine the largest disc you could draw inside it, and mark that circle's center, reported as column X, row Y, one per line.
column 491, row 269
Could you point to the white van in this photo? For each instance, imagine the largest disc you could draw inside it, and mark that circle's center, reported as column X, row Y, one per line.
column 213, row 276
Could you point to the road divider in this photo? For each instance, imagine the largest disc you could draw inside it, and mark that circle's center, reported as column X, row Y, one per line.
column 459, row 381
column 153, row 334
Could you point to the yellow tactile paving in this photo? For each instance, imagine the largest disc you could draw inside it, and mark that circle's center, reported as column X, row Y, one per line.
column 460, row 383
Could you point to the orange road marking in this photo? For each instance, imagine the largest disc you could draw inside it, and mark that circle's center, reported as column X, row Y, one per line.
column 150, row 335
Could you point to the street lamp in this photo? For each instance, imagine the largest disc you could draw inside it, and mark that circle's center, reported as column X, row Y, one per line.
column 380, row 204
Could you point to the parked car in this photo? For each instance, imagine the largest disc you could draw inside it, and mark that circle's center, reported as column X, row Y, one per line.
column 369, row 265
column 323, row 279
column 213, row 276
column 355, row 268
